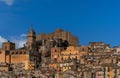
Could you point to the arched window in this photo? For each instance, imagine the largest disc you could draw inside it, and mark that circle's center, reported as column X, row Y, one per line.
column 55, row 50
column 24, row 53
column 5, row 47
column 69, row 59
column 83, row 49
column 21, row 52
column 16, row 52
column 12, row 53
column 62, row 58
column 76, row 57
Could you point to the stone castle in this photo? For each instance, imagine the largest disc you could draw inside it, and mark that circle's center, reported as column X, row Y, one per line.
column 36, row 49
column 61, row 34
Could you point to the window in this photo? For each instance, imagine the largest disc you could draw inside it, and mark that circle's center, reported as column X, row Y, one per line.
column 62, row 58
column 12, row 47
column 83, row 49
column 65, row 67
column 69, row 58
column 76, row 57
column 55, row 59
column 12, row 53
column 55, row 50
column 108, row 69
column 24, row 52
column 16, row 52
column 21, row 52
column 0, row 52
column 5, row 47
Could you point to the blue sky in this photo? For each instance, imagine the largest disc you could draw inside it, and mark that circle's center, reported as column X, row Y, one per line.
column 90, row 20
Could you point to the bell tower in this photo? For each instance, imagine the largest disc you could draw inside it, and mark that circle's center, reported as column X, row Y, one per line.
column 31, row 38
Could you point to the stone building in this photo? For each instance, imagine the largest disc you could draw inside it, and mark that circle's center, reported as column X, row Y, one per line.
column 4, row 52
column 56, row 54
column 8, row 46
column 116, row 50
column 83, row 51
column 27, row 56
column 69, row 58
column 100, row 53
column 38, row 49
column 59, row 34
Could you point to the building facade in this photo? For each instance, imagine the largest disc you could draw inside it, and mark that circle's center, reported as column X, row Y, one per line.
column 60, row 34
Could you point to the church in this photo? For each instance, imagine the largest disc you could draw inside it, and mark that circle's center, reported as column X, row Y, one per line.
column 26, row 57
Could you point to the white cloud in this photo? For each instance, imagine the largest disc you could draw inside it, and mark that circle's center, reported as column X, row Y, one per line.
column 2, row 39
column 8, row 2
column 19, row 40
column 23, row 35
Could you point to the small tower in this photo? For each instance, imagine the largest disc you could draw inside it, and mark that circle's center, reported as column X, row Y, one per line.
column 31, row 38
column 8, row 46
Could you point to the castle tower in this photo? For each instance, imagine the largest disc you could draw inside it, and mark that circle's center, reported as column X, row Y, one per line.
column 31, row 38
column 8, row 46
